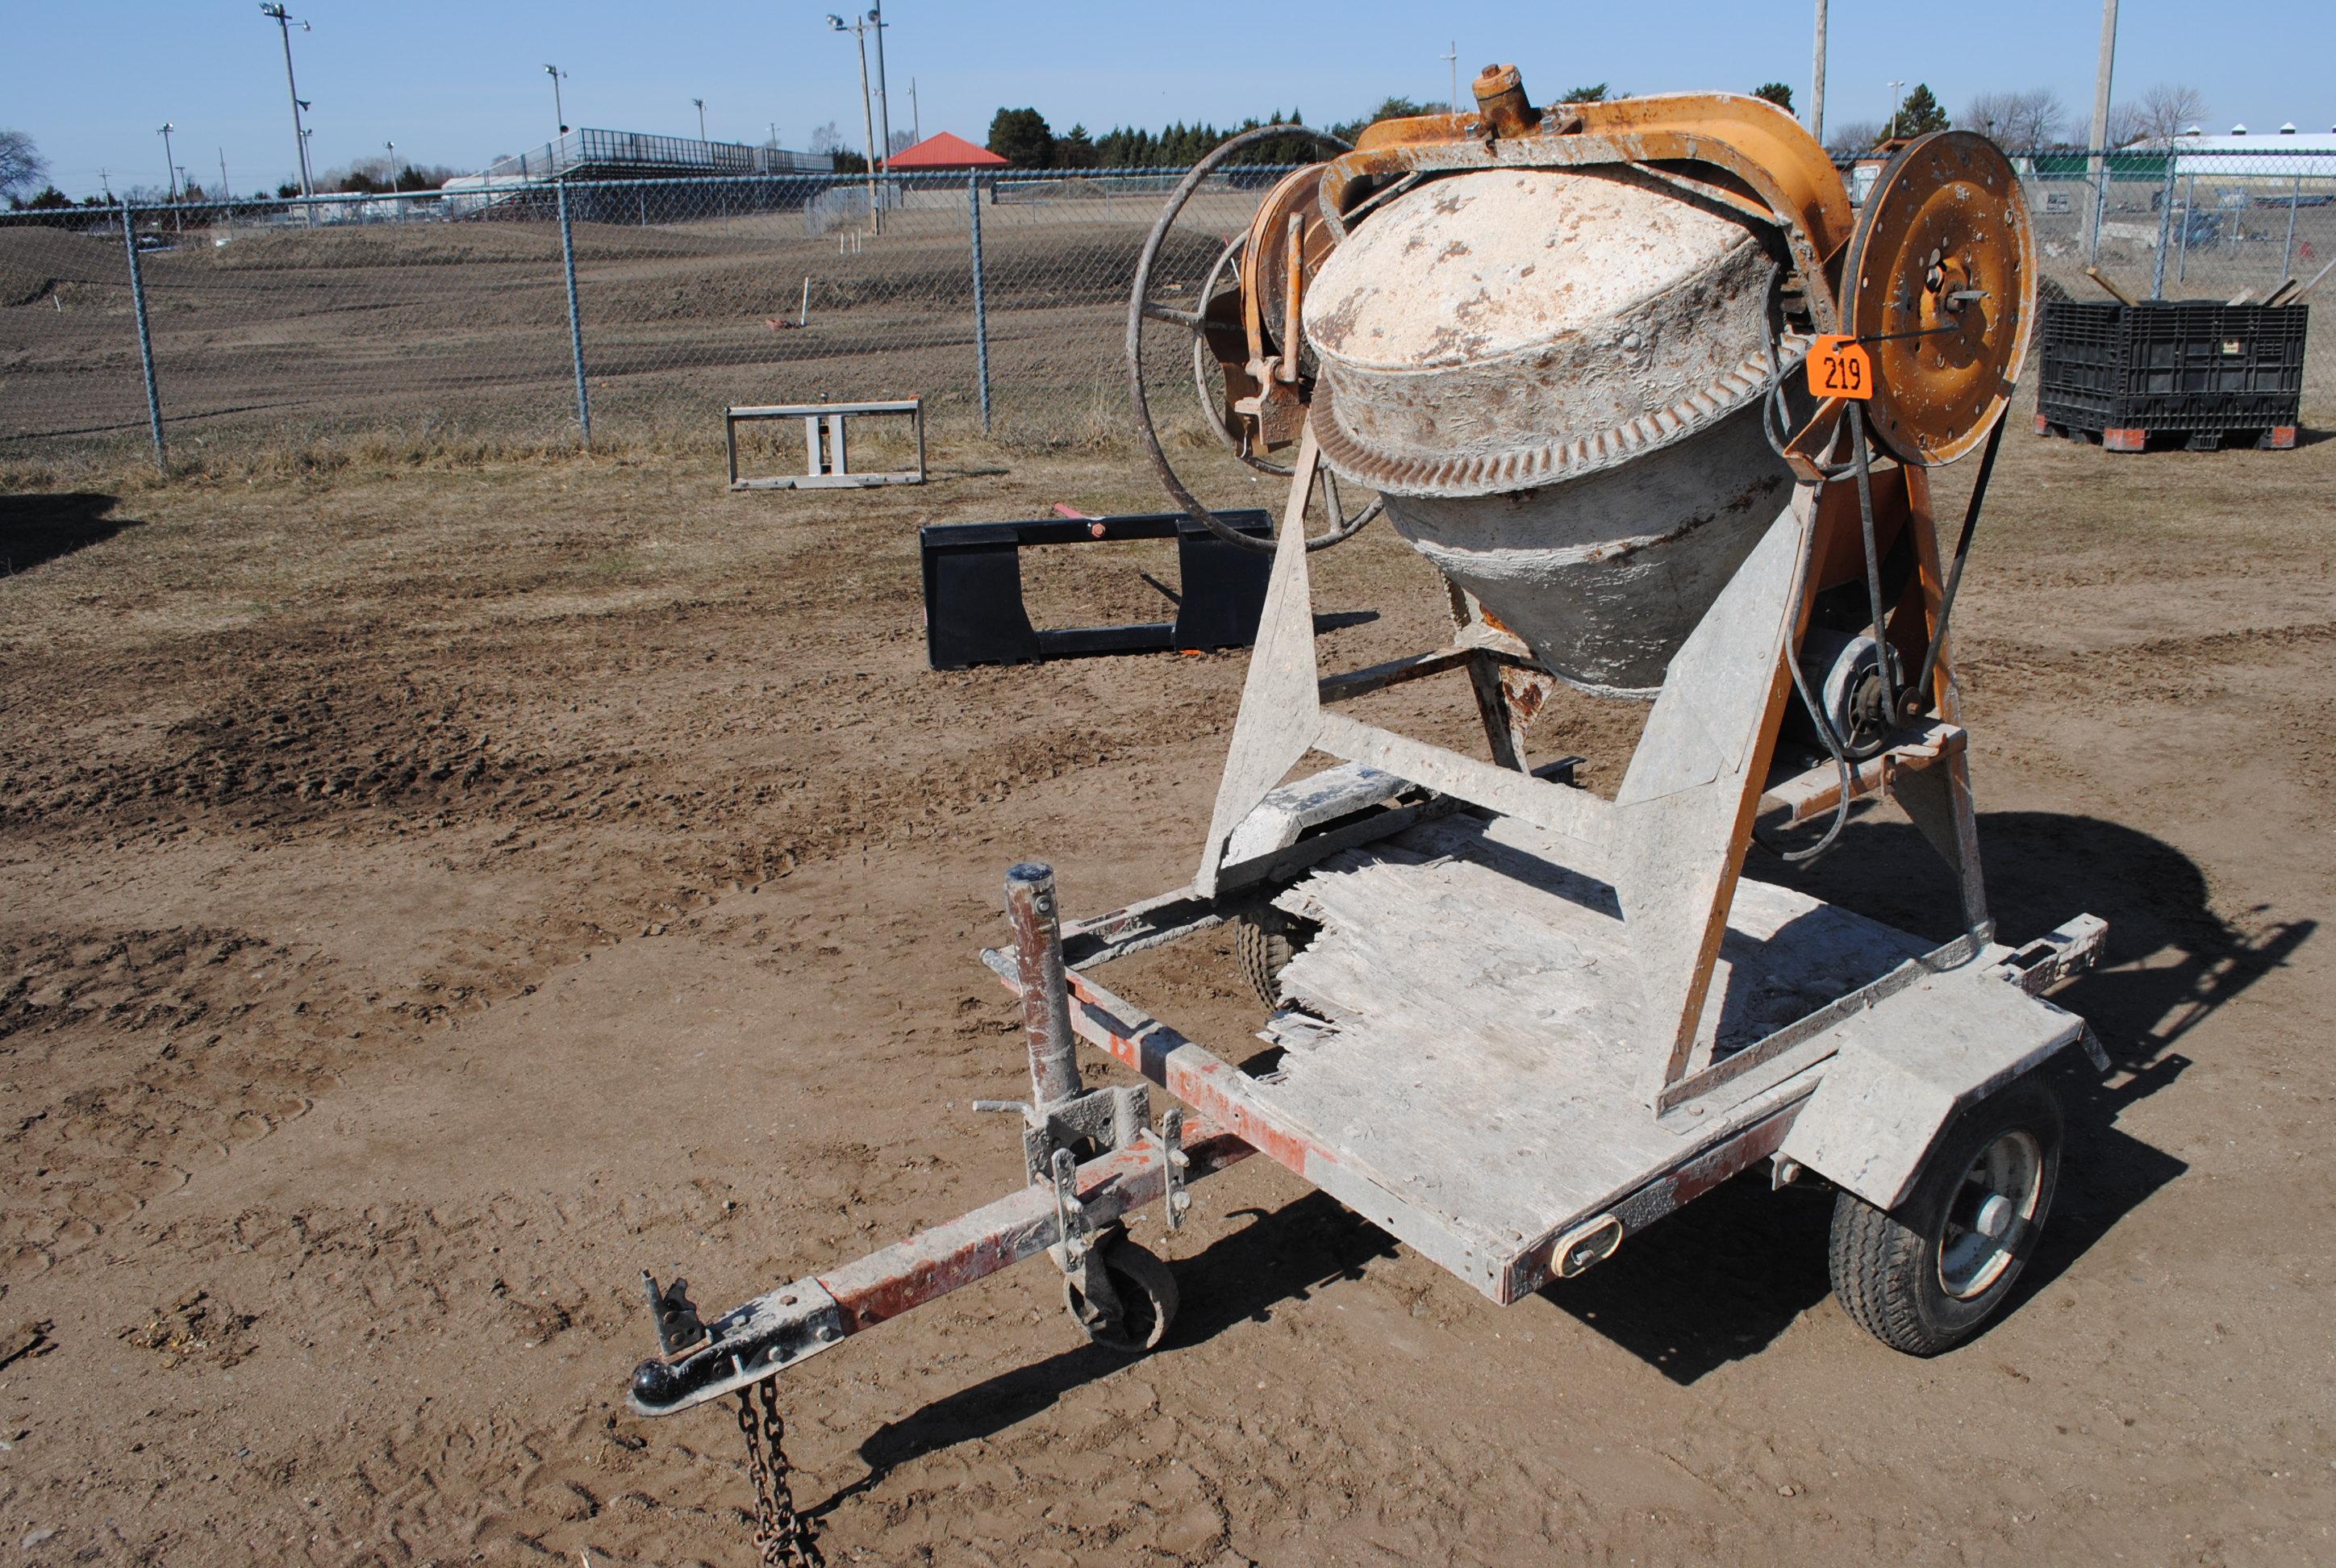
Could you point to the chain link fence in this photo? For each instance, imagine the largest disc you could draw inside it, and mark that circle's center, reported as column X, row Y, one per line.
column 521, row 314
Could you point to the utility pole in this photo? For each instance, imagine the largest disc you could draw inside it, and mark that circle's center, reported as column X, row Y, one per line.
column 2100, row 131
column 916, row 126
column 859, row 30
column 1816, row 83
column 283, row 20
column 701, row 117
column 170, row 160
column 1451, row 56
column 1895, row 101
column 227, row 192
column 884, row 93
column 558, row 113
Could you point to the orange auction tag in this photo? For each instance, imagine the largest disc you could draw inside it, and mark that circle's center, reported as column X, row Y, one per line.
column 1839, row 366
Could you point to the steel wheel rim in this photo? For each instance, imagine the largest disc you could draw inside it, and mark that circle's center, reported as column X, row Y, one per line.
column 1990, row 1214
column 1140, row 296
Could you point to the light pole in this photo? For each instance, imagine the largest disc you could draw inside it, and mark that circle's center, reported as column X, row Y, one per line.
column 916, row 126
column 883, row 91
column 1893, row 108
column 859, row 30
column 1817, row 79
column 701, row 117
column 283, row 20
column 170, row 160
column 558, row 113
column 1451, row 56
column 2099, row 132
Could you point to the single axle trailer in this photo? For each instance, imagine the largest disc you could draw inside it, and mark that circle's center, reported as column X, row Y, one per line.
column 1461, row 1074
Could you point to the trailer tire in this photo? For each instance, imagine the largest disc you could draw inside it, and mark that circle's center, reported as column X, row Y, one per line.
column 1265, row 942
column 1148, row 1295
column 1926, row 1276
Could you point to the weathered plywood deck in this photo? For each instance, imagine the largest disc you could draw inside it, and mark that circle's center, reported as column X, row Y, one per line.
column 1483, row 1060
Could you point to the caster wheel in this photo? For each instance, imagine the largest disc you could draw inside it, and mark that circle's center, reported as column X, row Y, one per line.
column 1147, row 1300
column 1265, row 942
column 1928, row 1275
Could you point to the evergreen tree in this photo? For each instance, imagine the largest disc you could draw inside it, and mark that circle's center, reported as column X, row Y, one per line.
column 1919, row 113
column 1396, row 108
column 1023, row 138
column 1776, row 92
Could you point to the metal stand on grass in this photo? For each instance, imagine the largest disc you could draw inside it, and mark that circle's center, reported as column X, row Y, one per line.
column 828, row 456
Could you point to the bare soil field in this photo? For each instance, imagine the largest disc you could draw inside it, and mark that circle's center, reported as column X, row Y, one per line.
column 435, row 894
column 431, row 332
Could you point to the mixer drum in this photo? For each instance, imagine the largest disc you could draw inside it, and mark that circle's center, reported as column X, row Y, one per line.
column 1554, row 378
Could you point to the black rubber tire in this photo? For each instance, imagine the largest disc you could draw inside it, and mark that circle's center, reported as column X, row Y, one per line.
column 1886, row 1266
column 1148, row 1295
column 1265, row 941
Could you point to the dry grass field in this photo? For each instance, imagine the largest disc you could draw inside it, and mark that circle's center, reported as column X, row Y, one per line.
column 436, row 891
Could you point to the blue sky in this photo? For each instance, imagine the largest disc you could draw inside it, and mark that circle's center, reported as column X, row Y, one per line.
column 459, row 84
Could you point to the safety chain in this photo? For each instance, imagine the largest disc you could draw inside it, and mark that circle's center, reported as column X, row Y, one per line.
column 782, row 1535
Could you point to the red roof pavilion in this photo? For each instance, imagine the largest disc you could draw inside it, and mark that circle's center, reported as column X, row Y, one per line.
column 943, row 150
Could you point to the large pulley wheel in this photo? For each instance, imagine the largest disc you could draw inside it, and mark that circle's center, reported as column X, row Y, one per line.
column 1940, row 287
column 1142, row 307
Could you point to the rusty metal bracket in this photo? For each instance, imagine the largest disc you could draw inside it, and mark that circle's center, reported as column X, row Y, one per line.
column 1105, row 1119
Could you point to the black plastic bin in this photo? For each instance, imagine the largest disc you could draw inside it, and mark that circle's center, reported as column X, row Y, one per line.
column 2199, row 369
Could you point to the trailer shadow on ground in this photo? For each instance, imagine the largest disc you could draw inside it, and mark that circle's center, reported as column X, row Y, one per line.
column 1282, row 1255
column 1723, row 1277
column 35, row 530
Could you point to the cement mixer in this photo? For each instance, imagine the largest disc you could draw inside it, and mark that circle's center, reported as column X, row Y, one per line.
column 1660, row 410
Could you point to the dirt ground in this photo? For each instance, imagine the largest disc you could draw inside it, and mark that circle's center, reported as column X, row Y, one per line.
column 434, row 894
column 437, row 333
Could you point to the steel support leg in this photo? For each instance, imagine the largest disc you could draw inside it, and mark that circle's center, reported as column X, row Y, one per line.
column 1045, row 997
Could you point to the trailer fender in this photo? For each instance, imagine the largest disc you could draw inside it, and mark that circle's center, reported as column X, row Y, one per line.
column 1902, row 1073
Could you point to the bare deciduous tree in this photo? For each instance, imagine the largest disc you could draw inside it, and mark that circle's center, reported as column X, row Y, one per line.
column 2019, row 122
column 1854, row 136
column 23, row 170
column 2161, row 114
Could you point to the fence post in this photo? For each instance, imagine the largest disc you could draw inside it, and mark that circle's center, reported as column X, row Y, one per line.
column 2294, row 199
column 980, row 306
column 2165, row 230
column 2101, row 208
column 145, row 341
column 574, row 321
column 2189, row 216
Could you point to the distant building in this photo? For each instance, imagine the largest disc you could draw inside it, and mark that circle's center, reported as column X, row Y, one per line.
column 2282, row 155
column 586, row 154
column 942, row 151
column 589, row 154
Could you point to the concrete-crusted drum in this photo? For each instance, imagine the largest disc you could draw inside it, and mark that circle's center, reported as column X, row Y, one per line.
column 1554, row 377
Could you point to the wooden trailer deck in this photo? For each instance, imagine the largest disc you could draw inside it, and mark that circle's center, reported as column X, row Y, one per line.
column 1463, row 1062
